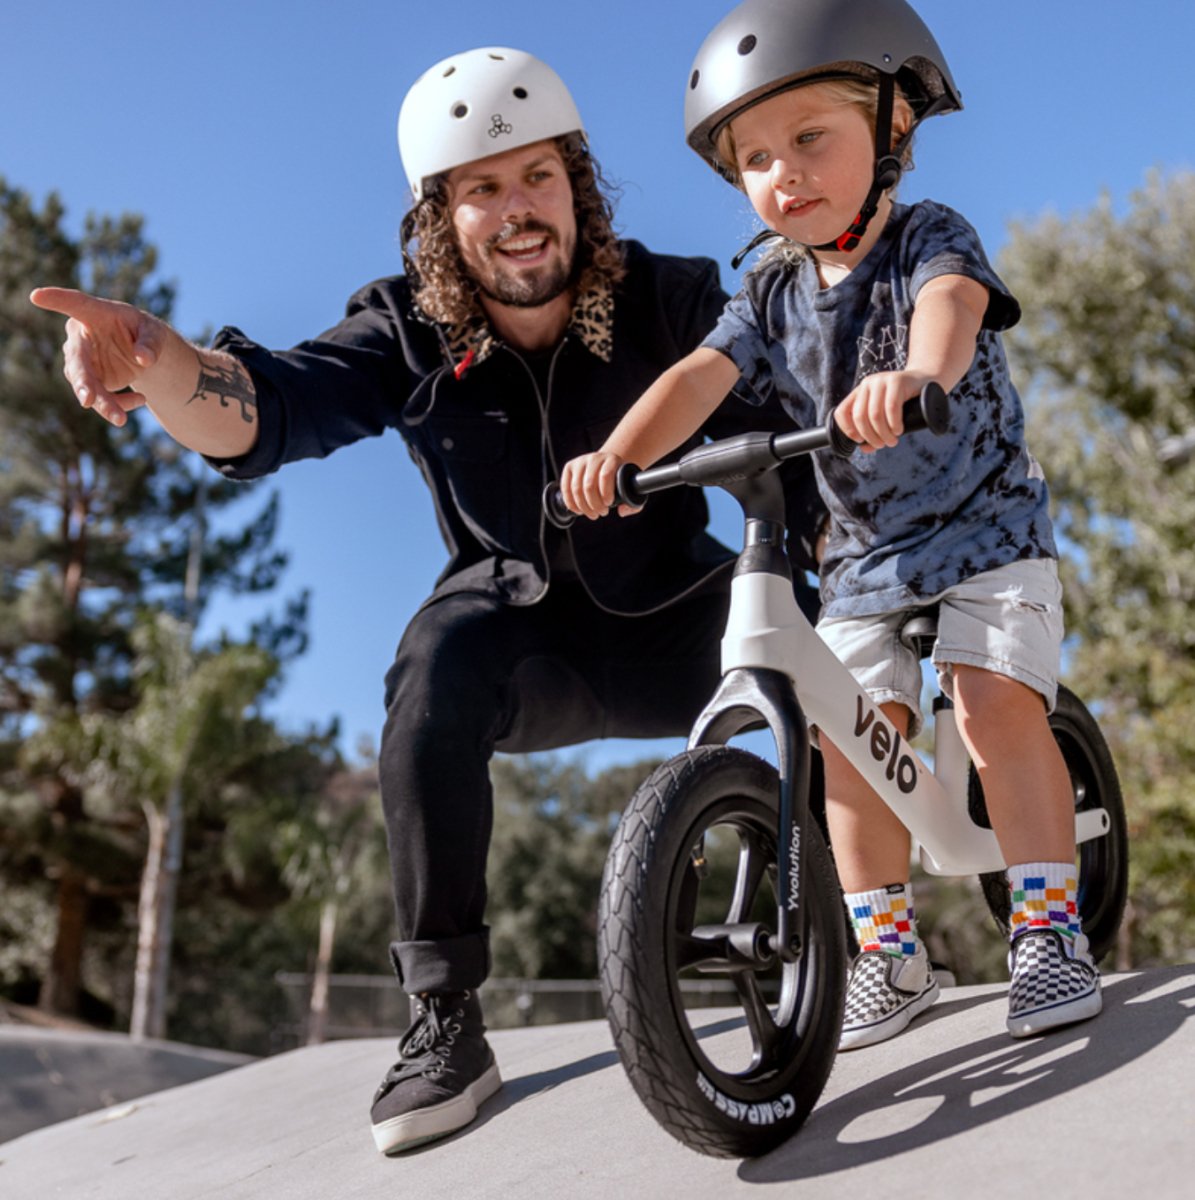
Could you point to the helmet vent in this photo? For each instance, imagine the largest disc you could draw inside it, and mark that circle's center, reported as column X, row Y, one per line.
column 520, row 93
column 498, row 57
column 460, row 111
column 747, row 44
column 450, row 71
column 693, row 80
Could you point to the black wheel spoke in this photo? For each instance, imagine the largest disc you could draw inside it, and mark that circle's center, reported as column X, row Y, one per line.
column 754, row 859
column 765, row 1037
column 691, row 950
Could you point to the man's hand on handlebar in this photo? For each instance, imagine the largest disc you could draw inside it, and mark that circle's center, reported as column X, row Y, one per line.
column 872, row 414
column 587, row 484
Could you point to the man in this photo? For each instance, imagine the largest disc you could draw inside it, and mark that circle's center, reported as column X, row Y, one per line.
column 521, row 332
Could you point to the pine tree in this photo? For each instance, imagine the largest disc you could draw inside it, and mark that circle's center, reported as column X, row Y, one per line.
column 94, row 529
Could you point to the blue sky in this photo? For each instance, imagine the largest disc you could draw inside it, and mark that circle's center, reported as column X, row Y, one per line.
column 257, row 138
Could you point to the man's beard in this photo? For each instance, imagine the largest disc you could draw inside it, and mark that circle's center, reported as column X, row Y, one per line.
column 524, row 288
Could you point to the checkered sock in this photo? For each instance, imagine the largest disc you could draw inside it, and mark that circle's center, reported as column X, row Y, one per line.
column 883, row 920
column 1043, row 897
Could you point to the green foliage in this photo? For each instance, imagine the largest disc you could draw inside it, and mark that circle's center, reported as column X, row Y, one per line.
column 188, row 719
column 26, row 935
column 94, row 520
column 95, row 531
column 552, row 827
column 1106, row 355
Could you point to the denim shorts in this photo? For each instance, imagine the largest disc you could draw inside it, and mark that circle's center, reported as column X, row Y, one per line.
column 1008, row 621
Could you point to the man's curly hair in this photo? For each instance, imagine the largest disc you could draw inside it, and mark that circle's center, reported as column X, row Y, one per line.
column 443, row 287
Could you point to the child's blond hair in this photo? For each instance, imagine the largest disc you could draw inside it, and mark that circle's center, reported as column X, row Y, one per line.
column 862, row 93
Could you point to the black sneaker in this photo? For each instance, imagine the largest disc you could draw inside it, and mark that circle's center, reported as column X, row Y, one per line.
column 1054, row 982
column 884, row 994
column 445, row 1071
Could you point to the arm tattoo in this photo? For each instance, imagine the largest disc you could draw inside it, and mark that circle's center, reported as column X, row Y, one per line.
column 227, row 383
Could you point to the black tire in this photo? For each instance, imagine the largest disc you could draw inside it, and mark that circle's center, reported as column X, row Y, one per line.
column 1103, row 862
column 654, row 892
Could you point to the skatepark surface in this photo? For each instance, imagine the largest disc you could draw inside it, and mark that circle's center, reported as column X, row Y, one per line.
column 953, row 1107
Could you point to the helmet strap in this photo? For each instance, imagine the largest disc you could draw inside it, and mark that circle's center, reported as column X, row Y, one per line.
column 764, row 235
column 888, row 171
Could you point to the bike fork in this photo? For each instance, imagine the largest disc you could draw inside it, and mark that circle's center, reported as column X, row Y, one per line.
column 746, row 696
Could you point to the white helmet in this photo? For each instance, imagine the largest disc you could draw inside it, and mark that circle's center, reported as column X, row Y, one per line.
column 479, row 103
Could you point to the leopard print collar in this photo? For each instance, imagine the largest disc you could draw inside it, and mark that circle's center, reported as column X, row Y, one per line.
column 472, row 341
column 593, row 320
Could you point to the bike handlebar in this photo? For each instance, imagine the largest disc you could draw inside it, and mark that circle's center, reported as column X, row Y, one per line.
column 733, row 458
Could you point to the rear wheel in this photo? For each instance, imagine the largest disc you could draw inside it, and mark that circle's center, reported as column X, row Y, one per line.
column 1103, row 862
column 689, row 897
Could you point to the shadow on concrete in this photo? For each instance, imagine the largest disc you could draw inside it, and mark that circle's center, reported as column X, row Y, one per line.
column 1102, row 1109
column 971, row 1085
column 523, row 1087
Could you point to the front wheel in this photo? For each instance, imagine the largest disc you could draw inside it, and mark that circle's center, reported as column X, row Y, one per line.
column 695, row 852
column 1103, row 862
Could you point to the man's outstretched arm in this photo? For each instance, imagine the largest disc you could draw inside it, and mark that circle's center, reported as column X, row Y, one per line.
column 118, row 358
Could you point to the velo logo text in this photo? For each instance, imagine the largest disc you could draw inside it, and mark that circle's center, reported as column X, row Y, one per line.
column 886, row 744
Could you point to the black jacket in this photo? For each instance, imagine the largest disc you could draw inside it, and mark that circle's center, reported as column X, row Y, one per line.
column 488, row 435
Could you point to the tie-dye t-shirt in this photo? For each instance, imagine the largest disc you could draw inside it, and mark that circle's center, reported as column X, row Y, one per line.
column 913, row 519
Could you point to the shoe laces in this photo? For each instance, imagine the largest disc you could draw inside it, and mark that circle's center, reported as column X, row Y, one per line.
column 425, row 1047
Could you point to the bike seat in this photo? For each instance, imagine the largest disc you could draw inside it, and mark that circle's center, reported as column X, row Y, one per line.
column 920, row 631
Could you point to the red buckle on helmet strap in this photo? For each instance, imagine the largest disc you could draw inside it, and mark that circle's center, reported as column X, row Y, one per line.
column 847, row 241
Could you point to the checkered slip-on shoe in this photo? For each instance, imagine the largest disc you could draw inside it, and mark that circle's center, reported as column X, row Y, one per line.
column 1053, row 982
column 884, row 994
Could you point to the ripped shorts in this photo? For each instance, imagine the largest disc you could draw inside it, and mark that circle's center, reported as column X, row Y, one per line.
column 1008, row 620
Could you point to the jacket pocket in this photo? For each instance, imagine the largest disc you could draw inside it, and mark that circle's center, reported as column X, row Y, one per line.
column 479, row 439
column 474, row 454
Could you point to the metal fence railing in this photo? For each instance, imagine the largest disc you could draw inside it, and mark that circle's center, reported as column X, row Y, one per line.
column 361, row 1006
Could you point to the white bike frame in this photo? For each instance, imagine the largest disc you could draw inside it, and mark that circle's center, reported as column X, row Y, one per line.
column 776, row 670
column 767, row 631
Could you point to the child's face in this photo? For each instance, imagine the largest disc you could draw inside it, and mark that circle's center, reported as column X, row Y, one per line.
column 806, row 159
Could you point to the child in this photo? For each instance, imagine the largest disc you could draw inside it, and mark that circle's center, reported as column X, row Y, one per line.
column 799, row 105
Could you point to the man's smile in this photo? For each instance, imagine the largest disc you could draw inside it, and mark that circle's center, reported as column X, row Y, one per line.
column 524, row 263
column 523, row 245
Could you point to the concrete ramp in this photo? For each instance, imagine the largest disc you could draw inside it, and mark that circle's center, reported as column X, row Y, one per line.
column 951, row 1108
column 50, row 1075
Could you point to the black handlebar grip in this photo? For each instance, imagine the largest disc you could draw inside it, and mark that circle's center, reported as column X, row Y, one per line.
column 840, row 444
column 933, row 410
column 930, row 410
column 555, row 509
column 625, row 492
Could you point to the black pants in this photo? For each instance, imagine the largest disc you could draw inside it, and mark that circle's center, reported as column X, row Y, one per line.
column 473, row 675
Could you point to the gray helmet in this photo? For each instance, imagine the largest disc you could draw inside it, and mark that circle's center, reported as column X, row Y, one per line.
column 765, row 47
column 768, row 46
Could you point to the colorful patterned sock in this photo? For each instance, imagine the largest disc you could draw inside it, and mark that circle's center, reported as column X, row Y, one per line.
column 1043, row 897
column 884, row 920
